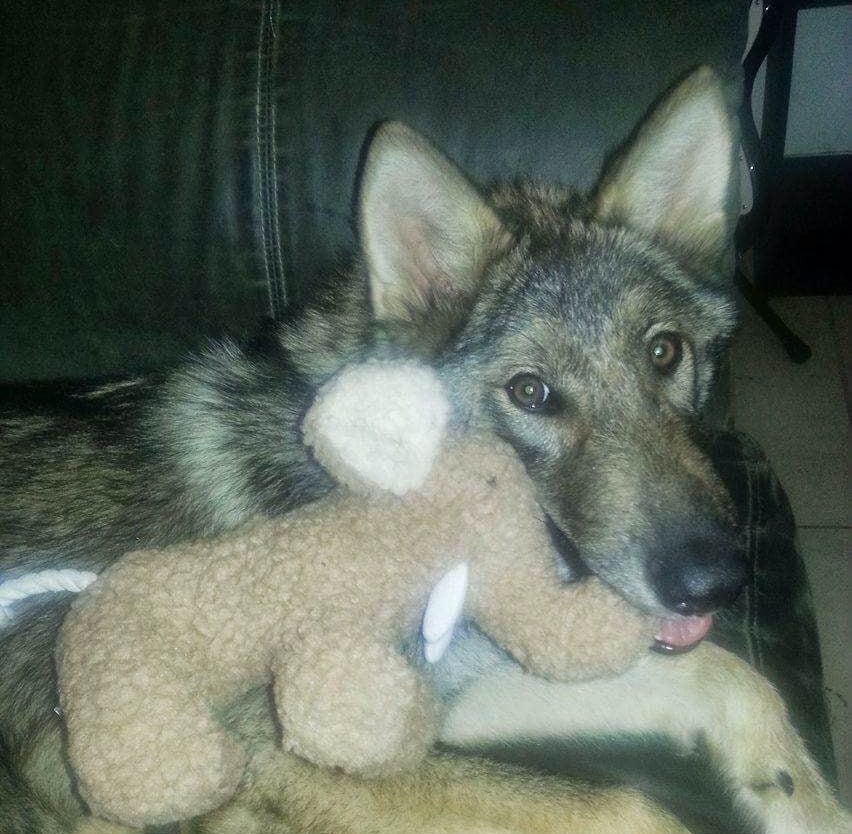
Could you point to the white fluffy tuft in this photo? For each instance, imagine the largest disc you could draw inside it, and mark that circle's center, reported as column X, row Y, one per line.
column 379, row 425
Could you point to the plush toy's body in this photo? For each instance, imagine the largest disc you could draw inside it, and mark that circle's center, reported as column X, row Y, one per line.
column 319, row 601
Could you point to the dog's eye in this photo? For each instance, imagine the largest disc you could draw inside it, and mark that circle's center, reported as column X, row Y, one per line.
column 665, row 350
column 528, row 391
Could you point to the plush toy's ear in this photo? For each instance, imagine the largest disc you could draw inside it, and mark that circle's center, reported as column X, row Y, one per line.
column 378, row 425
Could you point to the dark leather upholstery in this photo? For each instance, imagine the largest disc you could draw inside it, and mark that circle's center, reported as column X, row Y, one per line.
column 169, row 170
column 127, row 180
column 772, row 623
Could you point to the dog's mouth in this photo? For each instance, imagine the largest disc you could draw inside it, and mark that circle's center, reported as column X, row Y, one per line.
column 679, row 635
column 676, row 635
column 575, row 567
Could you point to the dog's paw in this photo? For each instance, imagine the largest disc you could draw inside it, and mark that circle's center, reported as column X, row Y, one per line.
column 794, row 801
column 777, row 781
column 780, row 813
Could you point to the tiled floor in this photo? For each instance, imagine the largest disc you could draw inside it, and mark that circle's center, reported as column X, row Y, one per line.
column 800, row 415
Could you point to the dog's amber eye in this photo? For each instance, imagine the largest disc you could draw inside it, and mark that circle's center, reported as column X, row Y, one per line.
column 665, row 350
column 528, row 391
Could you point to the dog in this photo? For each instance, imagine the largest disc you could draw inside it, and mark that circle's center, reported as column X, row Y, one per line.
column 584, row 330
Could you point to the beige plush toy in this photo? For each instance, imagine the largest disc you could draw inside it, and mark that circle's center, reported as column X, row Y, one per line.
column 319, row 602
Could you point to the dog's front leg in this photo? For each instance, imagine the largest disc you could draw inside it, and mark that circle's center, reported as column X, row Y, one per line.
column 707, row 694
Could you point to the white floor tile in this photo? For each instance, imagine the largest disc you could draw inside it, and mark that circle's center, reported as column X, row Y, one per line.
column 797, row 412
column 756, row 350
column 829, row 564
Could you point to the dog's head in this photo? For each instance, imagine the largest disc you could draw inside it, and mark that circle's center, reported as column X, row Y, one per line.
column 585, row 331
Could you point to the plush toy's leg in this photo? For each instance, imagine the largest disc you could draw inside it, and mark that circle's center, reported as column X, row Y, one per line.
column 355, row 704
column 552, row 629
column 153, row 757
column 708, row 693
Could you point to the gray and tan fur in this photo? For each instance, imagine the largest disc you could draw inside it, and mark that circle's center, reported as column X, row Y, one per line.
column 617, row 306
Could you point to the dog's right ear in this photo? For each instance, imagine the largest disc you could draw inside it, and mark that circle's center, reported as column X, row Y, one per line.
column 426, row 232
column 677, row 177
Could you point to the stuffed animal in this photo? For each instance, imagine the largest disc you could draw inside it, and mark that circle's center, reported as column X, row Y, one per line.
column 318, row 602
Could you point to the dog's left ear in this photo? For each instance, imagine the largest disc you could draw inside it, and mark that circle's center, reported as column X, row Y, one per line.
column 676, row 177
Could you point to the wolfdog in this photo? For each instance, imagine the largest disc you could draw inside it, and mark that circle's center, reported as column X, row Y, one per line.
column 585, row 330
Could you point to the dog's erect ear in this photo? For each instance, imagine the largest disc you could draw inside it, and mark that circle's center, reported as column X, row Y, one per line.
column 675, row 177
column 426, row 233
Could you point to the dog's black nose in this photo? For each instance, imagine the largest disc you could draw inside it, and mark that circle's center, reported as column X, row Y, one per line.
column 699, row 574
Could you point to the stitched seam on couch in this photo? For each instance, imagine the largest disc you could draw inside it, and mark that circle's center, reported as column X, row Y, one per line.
column 266, row 156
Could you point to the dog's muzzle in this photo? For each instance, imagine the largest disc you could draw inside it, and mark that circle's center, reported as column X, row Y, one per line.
column 698, row 571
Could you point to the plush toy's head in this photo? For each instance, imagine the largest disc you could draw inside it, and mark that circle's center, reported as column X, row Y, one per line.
column 382, row 426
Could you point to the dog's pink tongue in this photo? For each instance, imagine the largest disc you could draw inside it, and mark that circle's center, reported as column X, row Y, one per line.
column 684, row 632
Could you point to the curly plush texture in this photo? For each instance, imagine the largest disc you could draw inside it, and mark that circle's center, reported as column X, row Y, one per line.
column 378, row 426
column 317, row 601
